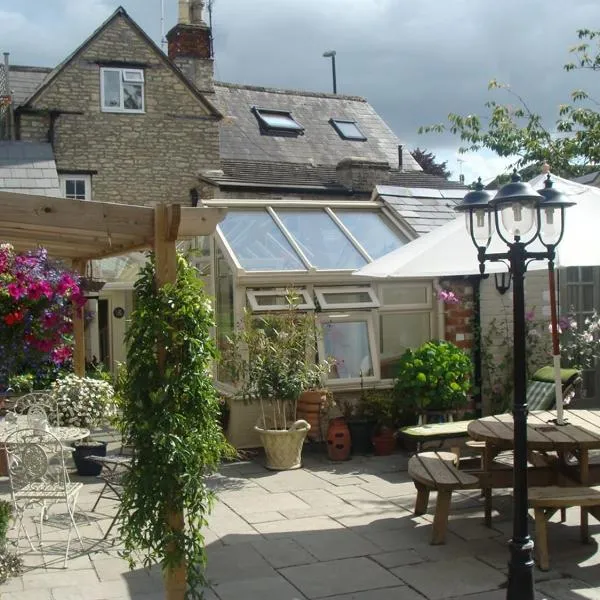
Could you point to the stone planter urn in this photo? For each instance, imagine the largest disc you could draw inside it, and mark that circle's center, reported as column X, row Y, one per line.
column 283, row 447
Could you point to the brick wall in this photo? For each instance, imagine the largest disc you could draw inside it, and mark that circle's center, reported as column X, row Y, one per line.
column 458, row 318
column 139, row 158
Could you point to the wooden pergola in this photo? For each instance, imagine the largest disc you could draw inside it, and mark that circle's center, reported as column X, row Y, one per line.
column 83, row 230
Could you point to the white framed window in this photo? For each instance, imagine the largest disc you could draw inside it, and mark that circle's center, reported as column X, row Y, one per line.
column 399, row 331
column 278, row 299
column 76, row 187
column 406, row 296
column 122, row 90
column 345, row 297
column 349, row 339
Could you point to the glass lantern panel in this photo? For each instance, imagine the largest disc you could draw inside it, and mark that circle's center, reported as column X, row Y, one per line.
column 480, row 224
column 518, row 218
column 551, row 224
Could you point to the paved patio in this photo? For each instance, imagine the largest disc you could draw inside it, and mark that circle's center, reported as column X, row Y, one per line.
column 341, row 531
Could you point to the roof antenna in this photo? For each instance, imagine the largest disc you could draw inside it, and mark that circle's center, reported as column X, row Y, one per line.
column 163, row 39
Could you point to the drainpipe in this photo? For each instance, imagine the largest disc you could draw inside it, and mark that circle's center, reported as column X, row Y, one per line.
column 475, row 281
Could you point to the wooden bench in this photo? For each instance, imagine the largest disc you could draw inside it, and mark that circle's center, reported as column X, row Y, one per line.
column 547, row 500
column 436, row 471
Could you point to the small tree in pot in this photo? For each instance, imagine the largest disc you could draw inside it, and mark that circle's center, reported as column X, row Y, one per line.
column 271, row 359
column 435, row 377
column 84, row 402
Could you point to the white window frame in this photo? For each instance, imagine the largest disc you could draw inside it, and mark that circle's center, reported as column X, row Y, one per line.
column 253, row 295
column 346, row 289
column 414, row 307
column 352, row 317
column 123, row 78
column 87, row 179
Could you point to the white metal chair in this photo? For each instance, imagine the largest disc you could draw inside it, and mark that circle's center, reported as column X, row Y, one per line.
column 38, row 477
column 38, row 404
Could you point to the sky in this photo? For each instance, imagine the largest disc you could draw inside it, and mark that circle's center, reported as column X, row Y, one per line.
column 414, row 61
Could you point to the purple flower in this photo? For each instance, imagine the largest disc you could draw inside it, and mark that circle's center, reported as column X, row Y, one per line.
column 448, row 296
column 530, row 315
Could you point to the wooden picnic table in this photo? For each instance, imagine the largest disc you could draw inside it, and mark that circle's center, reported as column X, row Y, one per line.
column 576, row 438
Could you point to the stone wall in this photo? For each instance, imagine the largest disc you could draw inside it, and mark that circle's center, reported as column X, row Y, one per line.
column 138, row 158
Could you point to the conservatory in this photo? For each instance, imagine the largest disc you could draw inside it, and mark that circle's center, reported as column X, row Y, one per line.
column 263, row 249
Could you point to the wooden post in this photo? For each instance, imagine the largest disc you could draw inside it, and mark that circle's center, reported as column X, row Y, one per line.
column 79, row 266
column 166, row 226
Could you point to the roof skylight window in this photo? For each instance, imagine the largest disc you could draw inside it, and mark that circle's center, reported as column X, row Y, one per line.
column 348, row 130
column 277, row 121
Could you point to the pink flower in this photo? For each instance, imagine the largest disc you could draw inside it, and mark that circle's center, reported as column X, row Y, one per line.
column 65, row 284
column 530, row 315
column 61, row 354
column 448, row 297
column 49, row 320
column 16, row 291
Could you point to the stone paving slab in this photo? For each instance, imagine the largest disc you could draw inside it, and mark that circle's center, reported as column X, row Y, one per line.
column 449, row 578
column 340, row 577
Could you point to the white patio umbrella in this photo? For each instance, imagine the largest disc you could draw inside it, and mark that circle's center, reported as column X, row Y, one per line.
column 449, row 251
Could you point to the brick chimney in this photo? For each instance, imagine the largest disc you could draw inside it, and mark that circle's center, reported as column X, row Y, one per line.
column 190, row 45
column 362, row 174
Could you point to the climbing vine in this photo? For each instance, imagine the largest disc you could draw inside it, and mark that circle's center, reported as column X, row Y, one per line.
column 171, row 418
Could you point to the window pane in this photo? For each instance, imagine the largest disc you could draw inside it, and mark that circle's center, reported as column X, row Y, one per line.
column 348, row 344
column 80, row 189
column 279, row 121
column 258, row 243
column 588, row 298
column 132, row 96
column 347, row 297
column 69, row 188
column 323, row 242
column 133, row 76
column 112, row 89
column 587, row 273
column 572, row 274
column 403, row 294
column 397, row 332
column 224, row 306
column 273, row 300
column 371, row 231
column 349, row 130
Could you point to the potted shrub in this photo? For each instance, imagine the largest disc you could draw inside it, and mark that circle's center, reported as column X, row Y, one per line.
column 271, row 360
column 84, row 402
column 435, row 377
column 382, row 408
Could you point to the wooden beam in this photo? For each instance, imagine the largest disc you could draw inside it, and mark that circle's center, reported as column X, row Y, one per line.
column 173, row 221
column 199, row 221
column 78, row 329
column 100, row 217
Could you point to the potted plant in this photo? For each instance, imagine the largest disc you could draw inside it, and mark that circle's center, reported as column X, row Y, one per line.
column 381, row 406
column 271, row 360
column 84, row 402
column 435, row 377
column 11, row 565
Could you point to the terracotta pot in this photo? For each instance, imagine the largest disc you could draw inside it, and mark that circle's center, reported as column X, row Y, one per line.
column 308, row 408
column 384, row 441
column 338, row 440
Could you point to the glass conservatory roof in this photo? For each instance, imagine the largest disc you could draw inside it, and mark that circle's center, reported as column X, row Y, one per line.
column 298, row 239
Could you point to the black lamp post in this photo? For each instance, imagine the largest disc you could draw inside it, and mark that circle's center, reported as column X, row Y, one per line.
column 520, row 216
column 331, row 54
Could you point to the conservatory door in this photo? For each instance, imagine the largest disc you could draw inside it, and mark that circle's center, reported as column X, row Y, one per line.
column 580, row 293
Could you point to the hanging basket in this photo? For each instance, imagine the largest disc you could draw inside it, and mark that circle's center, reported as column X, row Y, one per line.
column 283, row 448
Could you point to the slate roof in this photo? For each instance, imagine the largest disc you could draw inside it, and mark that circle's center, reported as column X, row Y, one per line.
column 270, row 174
column 28, row 168
column 423, row 209
column 241, row 138
column 588, row 178
column 24, row 81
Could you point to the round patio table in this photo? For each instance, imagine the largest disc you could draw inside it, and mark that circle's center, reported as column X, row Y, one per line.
column 64, row 434
column 578, row 436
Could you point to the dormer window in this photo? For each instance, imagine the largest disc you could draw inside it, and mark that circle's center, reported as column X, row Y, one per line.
column 277, row 121
column 122, row 90
column 348, row 130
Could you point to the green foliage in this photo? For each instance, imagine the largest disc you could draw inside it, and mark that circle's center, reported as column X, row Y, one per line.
column 170, row 412
column 516, row 130
column 379, row 405
column 271, row 359
column 21, row 384
column 436, row 376
column 6, row 511
column 428, row 163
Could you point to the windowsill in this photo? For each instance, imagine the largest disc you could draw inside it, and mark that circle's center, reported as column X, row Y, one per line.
column 123, row 111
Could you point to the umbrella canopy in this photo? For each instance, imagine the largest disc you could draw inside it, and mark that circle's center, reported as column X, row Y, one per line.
column 448, row 250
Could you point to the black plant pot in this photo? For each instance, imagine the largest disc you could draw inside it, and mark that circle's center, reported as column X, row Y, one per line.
column 82, row 451
column 361, row 432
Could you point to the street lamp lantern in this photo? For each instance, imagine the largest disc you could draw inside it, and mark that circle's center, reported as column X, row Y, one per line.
column 520, row 215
